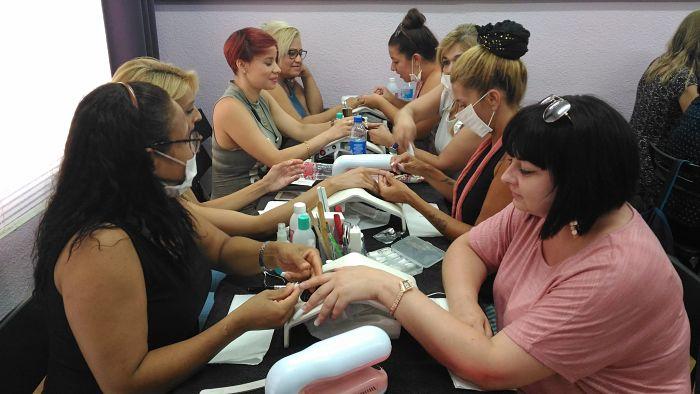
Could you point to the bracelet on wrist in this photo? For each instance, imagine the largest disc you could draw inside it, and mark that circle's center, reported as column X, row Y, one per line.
column 261, row 256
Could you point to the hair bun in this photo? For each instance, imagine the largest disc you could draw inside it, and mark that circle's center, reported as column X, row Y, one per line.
column 414, row 19
column 505, row 39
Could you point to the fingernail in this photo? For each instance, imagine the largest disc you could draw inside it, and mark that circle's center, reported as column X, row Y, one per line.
column 316, row 323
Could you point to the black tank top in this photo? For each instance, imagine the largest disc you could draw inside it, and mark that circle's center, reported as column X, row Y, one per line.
column 471, row 207
column 175, row 297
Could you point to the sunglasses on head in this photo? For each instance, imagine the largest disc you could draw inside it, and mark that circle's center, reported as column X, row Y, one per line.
column 556, row 108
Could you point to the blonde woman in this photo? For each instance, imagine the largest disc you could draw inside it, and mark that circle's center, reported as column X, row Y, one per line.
column 656, row 109
column 490, row 80
column 453, row 148
column 182, row 86
column 302, row 101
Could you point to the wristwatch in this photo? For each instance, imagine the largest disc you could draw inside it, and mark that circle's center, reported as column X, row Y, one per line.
column 404, row 286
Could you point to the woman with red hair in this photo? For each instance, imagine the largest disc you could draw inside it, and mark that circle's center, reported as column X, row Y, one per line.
column 249, row 124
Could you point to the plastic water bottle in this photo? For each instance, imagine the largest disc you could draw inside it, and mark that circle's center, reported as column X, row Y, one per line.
column 304, row 235
column 393, row 87
column 299, row 208
column 317, row 171
column 407, row 91
column 358, row 137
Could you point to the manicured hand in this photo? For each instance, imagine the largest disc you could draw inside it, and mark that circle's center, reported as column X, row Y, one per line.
column 298, row 262
column 268, row 309
column 337, row 289
column 282, row 174
column 409, row 164
column 384, row 92
column 365, row 178
column 393, row 190
column 381, row 135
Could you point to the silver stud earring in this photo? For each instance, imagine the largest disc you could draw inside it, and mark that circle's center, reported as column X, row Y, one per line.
column 573, row 225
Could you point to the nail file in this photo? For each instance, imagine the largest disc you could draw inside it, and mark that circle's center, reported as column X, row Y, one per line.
column 241, row 388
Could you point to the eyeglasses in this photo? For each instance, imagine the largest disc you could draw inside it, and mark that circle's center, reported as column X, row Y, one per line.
column 195, row 142
column 293, row 53
column 556, row 108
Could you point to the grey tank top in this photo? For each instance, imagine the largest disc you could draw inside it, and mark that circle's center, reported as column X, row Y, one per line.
column 232, row 170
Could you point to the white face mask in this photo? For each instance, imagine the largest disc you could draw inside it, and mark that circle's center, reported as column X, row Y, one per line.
column 472, row 121
column 445, row 80
column 190, row 173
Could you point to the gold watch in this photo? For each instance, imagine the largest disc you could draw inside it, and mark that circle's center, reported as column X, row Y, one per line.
column 404, row 286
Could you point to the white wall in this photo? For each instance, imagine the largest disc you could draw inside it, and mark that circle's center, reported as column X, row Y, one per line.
column 575, row 47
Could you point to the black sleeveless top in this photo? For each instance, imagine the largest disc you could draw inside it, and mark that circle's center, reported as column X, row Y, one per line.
column 471, row 207
column 175, row 297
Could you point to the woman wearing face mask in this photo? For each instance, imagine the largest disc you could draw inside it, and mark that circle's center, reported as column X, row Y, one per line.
column 412, row 49
column 489, row 81
column 123, row 269
column 249, row 124
column 586, row 298
column 453, row 148
column 182, row 87
column 302, row 101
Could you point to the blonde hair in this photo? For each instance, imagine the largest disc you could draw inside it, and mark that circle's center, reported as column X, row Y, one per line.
column 283, row 33
column 172, row 79
column 464, row 35
column 481, row 70
column 683, row 51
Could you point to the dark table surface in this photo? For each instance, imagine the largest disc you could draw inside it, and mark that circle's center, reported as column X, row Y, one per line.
column 410, row 368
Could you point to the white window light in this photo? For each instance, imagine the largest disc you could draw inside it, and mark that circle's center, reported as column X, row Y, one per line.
column 54, row 53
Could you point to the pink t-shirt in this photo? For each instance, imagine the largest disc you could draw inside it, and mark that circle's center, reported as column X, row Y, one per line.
column 608, row 319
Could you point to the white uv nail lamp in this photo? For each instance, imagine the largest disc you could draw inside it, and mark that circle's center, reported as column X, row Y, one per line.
column 349, row 260
column 361, row 195
column 341, row 364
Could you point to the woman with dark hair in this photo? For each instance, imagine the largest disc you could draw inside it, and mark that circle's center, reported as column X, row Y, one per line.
column 586, row 298
column 488, row 82
column 123, row 267
column 412, row 49
column 656, row 110
column 249, row 124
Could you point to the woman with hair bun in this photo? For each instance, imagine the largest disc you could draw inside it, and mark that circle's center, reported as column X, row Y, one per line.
column 412, row 49
column 488, row 81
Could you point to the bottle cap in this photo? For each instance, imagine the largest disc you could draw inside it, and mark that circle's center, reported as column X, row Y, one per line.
column 358, row 118
column 339, row 115
column 299, row 207
column 303, row 221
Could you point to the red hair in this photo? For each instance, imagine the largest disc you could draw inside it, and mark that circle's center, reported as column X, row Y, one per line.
column 245, row 44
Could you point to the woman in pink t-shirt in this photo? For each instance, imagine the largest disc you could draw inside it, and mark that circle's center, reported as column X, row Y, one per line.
column 587, row 300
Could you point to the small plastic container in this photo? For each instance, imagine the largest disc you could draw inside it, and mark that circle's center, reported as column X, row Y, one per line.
column 419, row 251
column 317, row 171
column 409, row 255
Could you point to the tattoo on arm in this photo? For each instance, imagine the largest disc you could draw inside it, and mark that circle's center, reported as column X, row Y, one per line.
column 439, row 223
